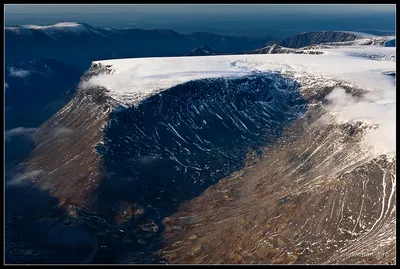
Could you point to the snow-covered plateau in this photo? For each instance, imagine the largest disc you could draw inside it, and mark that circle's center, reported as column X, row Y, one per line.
column 132, row 80
column 142, row 76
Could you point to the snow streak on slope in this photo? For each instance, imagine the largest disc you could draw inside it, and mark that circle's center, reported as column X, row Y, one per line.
column 132, row 80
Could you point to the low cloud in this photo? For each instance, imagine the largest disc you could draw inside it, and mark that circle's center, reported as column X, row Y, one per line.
column 28, row 132
column 375, row 107
column 25, row 177
column 19, row 131
column 6, row 85
column 20, row 73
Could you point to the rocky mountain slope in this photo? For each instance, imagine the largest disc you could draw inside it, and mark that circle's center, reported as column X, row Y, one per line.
column 287, row 157
column 154, row 157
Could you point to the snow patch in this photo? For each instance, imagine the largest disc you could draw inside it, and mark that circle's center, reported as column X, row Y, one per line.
column 20, row 73
column 25, row 178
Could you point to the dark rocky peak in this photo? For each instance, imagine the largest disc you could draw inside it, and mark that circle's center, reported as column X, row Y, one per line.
column 97, row 69
column 315, row 38
column 390, row 43
column 202, row 51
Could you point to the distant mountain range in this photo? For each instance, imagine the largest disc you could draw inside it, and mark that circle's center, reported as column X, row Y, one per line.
column 79, row 44
column 306, row 43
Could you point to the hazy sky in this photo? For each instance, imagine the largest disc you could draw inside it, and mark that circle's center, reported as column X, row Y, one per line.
column 240, row 19
column 196, row 8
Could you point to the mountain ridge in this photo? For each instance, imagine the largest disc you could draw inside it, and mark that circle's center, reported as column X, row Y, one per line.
column 80, row 41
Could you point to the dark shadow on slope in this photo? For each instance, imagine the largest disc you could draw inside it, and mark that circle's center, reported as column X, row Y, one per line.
column 37, row 231
column 175, row 144
column 390, row 43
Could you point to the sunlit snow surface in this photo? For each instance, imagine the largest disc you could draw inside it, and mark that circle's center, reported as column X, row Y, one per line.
column 370, row 52
column 364, row 66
